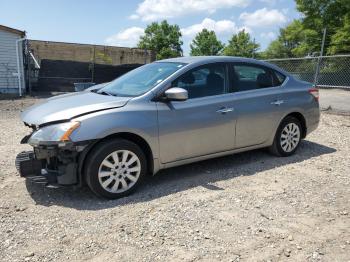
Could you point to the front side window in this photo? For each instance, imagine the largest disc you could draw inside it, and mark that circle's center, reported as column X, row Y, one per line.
column 141, row 79
column 207, row 80
column 249, row 77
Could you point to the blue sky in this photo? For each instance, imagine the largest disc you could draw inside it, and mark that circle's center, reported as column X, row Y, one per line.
column 121, row 23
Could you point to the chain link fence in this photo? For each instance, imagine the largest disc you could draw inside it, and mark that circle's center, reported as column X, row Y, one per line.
column 324, row 71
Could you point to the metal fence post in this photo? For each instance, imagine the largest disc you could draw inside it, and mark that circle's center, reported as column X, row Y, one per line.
column 317, row 73
column 145, row 54
column 93, row 64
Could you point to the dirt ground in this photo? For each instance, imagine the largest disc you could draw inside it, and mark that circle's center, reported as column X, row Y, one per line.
column 245, row 207
column 335, row 100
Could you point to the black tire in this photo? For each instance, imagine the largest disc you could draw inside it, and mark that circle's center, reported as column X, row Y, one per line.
column 276, row 147
column 99, row 154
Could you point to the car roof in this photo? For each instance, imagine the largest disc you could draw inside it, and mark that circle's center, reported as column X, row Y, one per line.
column 200, row 59
column 216, row 59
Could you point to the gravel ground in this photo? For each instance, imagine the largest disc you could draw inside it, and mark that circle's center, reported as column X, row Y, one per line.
column 246, row 207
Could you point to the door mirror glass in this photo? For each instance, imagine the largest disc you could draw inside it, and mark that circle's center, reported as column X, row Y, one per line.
column 176, row 94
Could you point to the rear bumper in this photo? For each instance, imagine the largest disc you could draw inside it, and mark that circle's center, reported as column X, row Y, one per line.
column 312, row 120
column 312, row 127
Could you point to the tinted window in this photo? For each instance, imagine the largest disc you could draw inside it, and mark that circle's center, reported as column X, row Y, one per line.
column 208, row 80
column 279, row 78
column 248, row 77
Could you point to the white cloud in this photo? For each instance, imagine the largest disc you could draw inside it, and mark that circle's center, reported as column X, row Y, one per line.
column 269, row 2
column 134, row 16
column 128, row 37
column 263, row 17
column 150, row 10
column 268, row 35
column 221, row 27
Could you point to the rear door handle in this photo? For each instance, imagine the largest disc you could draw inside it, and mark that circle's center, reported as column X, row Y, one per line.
column 277, row 102
column 225, row 110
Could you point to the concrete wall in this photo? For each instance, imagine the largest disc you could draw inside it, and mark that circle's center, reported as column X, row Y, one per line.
column 8, row 62
column 109, row 55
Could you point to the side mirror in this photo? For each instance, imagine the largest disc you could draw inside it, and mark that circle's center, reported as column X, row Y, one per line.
column 176, row 94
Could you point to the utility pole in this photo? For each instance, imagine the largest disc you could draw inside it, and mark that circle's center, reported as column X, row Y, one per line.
column 317, row 73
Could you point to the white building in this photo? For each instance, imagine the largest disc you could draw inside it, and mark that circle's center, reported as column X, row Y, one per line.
column 11, row 61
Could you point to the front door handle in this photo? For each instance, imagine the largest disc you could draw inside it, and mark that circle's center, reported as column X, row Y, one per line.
column 225, row 110
column 277, row 102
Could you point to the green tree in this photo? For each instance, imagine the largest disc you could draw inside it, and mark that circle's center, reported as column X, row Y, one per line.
column 304, row 37
column 340, row 41
column 276, row 49
column 319, row 14
column 293, row 41
column 206, row 43
column 242, row 45
column 330, row 14
column 163, row 38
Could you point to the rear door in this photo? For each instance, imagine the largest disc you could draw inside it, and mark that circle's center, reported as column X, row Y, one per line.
column 203, row 124
column 257, row 102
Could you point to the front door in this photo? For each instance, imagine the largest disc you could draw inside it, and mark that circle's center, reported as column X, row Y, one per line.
column 203, row 124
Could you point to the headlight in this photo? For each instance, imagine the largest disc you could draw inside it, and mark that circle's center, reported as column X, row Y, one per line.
column 54, row 133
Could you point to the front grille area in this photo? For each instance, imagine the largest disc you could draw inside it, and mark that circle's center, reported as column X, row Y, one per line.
column 23, row 156
column 27, row 165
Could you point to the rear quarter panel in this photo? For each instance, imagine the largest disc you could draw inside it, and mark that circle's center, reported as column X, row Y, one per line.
column 298, row 99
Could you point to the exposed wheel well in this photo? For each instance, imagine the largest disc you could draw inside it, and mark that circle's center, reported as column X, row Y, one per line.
column 128, row 136
column 302, row 120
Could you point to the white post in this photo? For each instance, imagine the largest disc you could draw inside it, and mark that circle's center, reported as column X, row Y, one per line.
column 18, row 66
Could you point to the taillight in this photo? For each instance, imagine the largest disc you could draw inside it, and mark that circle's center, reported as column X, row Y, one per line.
column 314, row 92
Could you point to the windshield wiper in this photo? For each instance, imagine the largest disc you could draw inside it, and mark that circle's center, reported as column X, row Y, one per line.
column 105, row 93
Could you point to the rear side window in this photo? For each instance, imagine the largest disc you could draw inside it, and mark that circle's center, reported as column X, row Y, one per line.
column 279, row 78
column 250, row 77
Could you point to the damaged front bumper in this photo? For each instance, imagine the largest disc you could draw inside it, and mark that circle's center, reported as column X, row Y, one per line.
column 52, row 164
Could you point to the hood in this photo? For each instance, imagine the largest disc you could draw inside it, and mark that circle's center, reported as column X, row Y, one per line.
column 68, row 106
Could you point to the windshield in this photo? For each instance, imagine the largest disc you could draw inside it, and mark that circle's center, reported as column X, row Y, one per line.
column 141, row 79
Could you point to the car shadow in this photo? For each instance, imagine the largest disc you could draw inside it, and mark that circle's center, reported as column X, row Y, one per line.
column 173, row 180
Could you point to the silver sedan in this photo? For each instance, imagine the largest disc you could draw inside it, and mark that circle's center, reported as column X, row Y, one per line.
column 164, row 114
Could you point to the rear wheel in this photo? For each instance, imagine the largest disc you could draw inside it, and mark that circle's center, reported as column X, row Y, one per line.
column 287, row 138
column 115, row 168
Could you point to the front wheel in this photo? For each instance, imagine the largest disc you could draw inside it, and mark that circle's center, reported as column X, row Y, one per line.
column 115, row 168
column 287, row 138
